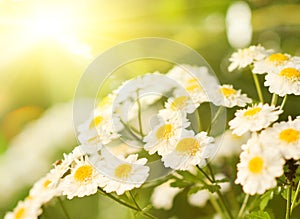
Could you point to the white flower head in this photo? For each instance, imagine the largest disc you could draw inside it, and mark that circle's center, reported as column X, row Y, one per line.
column 183, row 104
column 254, row 118
column 244, row 57
column 163, row 195
column 190, row 150
column 45, row 189
column 83, row 180
column 230, row 97
column 259, row 166
column 122, row 174
column 285, row 81
column 274, row 61
column 164, row 136
column 285, row 137
column 24, row 210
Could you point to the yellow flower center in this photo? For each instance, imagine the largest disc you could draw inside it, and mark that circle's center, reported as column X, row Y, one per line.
column 193, row 85
column 289, row 135
column 188, row 146
column 123, row 171
column 96, row 121
column 46, row 183
column 252, row 112
column 256, row 165
column 227, row 92
column 278, row 58
column 290, row 73
column 20, row 213
column 165, row 132
column 178, row 103
column 83, row 173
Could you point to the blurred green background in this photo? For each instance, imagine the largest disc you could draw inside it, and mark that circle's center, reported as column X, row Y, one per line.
column 46, row 46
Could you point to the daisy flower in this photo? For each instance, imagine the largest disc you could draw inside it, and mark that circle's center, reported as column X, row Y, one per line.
column 183, row 104
column 287, row 81
column 259, row 166
column 83, row 180
column 45, row 188
column 163, row 138
column 25, row 210
column 101, row 127
column 244, row 57
column 229, row 97
column 190, row 150
column 254, row 118
column 122, row 174
column 274, row 61
column 197, row 82
column 163, row 195
column 286, row 137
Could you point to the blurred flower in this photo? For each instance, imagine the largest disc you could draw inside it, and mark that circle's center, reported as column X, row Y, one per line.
column 245, row 57
column 287, row 81
column 259, row 166
column 254, row 118
column 190, row 150
column 122, row 174
column 163, row 195
column 36, row 144
column 274, row 61
column 24, row 210
column 200, row 198
column 229, row 97
column 285, row 137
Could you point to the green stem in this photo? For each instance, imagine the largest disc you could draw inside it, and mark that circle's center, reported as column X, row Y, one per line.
column 134, row 201
column 63, row 208
column 216, row 206
column 258, row 88
column 283, row 102
column 130, row 131
column 243, row 207
column 219, row 111
column 205, row 174
column 295, row 197
column 274, row 99
column 210, row 171
column 199, row 120
column 288, row 202
column 140, row 115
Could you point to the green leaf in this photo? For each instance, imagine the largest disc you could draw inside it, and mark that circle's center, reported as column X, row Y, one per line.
column 195, row 189
column 188, row 176
column 179, row 184
column 212, row 188
column 265, row 198
column 258, row 215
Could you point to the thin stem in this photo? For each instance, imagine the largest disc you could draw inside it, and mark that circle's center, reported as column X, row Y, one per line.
column 118, row 200
column 216, row 206
column 211, row 171
column 283, row 102
column 288, row 202
column 140, row 115
column 243, row 207
column 258, row 88
column 274, row 99
column 295, row 197
column 219, row 111
column 134, row 201
column 63, row 208
column 205, row 174
column 130, row 131
column 199, row 121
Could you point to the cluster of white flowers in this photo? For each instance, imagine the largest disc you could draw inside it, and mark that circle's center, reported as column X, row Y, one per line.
column 271, row 143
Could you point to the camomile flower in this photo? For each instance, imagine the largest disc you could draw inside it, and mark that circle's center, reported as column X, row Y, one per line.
column 99, row 128
column 259, row 166
column 286, row 137
column 244, row 57
column 254, row 118
column 122, row 174
column 163, row 195
column 190, row 150
column 164, row 137
column 230, row 97
column 45, row 188
column 286, row 81
column 24, row 210
column 274, row 61
column 183, row 104
column 83, row 180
